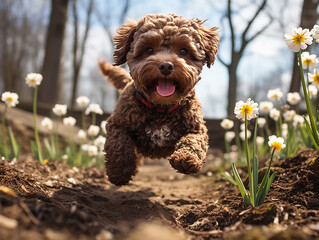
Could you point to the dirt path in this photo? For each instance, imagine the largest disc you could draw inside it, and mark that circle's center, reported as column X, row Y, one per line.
column 55, row 201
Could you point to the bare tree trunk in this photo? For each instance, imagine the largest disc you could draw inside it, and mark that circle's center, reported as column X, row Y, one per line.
column 237, row 52
column 53, row 50
column 78, row 54
column 308, row 19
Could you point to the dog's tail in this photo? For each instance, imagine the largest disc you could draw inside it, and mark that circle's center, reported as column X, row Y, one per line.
column 116, row 75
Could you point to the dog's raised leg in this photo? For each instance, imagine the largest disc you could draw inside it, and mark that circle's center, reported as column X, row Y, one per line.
column 120, row 158
column 190, row 153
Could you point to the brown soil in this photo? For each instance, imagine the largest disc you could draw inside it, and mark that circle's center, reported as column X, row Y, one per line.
column 55, row 201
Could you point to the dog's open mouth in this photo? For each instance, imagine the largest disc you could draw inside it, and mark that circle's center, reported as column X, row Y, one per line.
column 165, row 87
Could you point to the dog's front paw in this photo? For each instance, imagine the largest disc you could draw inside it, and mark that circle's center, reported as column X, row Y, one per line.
column 185, row 162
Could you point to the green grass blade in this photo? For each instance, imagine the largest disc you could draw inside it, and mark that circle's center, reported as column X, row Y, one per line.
column 239, row 182
column 254, row 184
column 228, row 177
column 265, row 189
column 311, row 134
column 13, row 143
column 34, row 150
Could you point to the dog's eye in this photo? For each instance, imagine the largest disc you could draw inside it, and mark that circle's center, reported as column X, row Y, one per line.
column 183, row 52
column 149, row 51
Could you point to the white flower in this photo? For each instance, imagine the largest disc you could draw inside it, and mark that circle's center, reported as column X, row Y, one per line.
column 248, row 108
column 289, row 115
column 261, row 122
column 309, row 60
column 69, row 121
column 59, row 109
column 47, row 123
column 298, row 39
column 92, row 150
column 312, row 91
column 265, row 107
column 81, row 134
column 227, row 124
column 260, row 140
column 298, row 120
column 315, row 33
column 284, row 126
column 293, row 98
column 274, row 94
column 82, row 101
column 274, row 114
column 85, row 147
column 242, row 135
column 33, row 79
column 276, row 143
column 99, row 142
column 242, row 127
column 103, row 126
column 10, row 98
column 229, row 136
column 95, row 108
column 314, row 78
column 93, row 130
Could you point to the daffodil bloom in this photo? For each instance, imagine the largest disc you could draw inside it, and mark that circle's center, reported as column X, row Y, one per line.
column 10, row 99
column 92, row 150
column 293, row 98
column 248, row 108
column 93, row 130
column 315, row 33
column 261, row 122
column 276, row 143
column 242, row 135
column 309, row 60
column 312, row 91
column 81, row 134
column 69, row 121
column 227, row 124
column 274, row 94
column 60, row 109
column 289, row 115
column 33, row 79
column 82, row 101
column 260, row 140
column 274, row 114
column 299, row 39
column 99, row 142
column 47, row 123
column 314, row 78
column 94, row 108
column 229, row 136
column 265, row 107
column 103, row 126
column 298, row 120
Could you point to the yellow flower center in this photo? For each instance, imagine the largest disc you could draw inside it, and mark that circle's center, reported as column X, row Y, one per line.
column 246, row 108
column 32, row 80
column 298, row 38
column 277, row 145
column 316, row 78
column 10, row 99
column 308, row 61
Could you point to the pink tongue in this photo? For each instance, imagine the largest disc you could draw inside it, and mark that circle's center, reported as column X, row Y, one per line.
column 165, row 87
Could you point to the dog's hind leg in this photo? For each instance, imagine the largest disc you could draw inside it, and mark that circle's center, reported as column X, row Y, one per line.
column 120, row 158
column 190, row 153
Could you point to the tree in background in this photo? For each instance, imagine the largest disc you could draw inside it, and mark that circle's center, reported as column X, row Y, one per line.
column 239, row 43
column 53, row 51
column 79, row 45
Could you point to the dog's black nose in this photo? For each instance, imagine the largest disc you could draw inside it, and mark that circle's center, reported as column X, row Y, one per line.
column 166, row 68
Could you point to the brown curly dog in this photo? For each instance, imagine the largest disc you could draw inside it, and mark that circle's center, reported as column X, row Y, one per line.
column 158, row 114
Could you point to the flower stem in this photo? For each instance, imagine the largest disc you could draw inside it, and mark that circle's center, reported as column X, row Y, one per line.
column 252, row 201
column 37, row 141
column 309, row 108
column 6, row 155
column 93, row 119
column 83, row 120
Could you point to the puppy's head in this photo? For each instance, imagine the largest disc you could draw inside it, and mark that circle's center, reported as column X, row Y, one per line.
column 165, row 54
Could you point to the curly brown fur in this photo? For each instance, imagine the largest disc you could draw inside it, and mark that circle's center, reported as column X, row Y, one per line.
column 135, row 129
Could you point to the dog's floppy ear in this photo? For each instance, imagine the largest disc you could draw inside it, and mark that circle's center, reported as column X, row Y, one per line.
column 209, row 42
column 123, row 41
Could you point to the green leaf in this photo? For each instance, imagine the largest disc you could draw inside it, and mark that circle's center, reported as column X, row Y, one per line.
column 34, row 150
column 253, row 192
column 266, row 189
column 239, row 182
column 311, row 133
column 228, row 177
column 14, row 145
